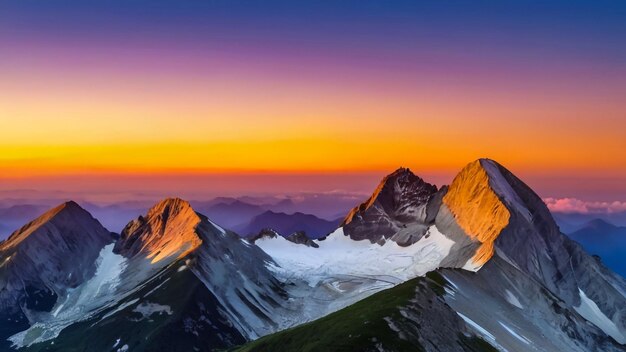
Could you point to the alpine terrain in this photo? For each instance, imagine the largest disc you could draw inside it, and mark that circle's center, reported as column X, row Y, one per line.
column 479, row 265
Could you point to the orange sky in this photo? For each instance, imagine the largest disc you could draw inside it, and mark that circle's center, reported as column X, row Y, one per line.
column 310, row 91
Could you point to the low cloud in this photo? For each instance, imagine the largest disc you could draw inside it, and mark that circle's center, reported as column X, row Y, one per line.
column 573, row 205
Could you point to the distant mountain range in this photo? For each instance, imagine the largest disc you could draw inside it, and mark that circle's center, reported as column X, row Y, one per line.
column 570, row 222
column 287, row 224
column 606, row 240
column 234, row 213
column 479, row 265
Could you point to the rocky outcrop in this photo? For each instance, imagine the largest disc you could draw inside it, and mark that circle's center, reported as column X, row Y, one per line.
column 397, row 209
column 476, row 209
column 167, row 231
column 299, row 237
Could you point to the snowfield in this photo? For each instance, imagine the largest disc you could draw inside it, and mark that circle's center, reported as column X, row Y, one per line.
column 339, row 255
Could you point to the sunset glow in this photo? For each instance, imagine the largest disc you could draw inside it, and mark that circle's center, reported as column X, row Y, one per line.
column 230, row 89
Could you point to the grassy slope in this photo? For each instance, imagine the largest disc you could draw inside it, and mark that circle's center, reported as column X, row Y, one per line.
column 362, row 326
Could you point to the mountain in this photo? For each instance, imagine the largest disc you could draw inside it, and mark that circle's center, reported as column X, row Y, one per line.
column 410, row 316
column 170, row 283
column 571, row 222
column 476, row 265
column 230, row 212
column 512, row 276
column 14, row 216
column 398, row 207
column 605, row 240
column 44, row 260
column 313, row 226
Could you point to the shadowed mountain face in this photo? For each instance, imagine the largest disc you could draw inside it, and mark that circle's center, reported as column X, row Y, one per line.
column 398, row 207
column 231, row 213
column 606, row 240
column 45, row 259
column 288, row 224
column 501, row 275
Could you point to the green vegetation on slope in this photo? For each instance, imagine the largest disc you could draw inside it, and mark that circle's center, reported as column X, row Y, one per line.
column 365, row 325
column 358, row 327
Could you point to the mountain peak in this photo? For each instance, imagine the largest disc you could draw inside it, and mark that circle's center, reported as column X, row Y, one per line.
column 168, row 229
column 67, row 207
column 66, row 213
column 171, row 206
column 57, row 249
column 400, row 199
column 400, row 189
column 599, row 224
column 477, row 208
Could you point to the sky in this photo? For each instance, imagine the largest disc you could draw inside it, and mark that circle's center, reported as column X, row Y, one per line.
column 284, row 96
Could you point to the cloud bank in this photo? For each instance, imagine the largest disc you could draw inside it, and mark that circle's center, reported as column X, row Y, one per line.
column 573, row 205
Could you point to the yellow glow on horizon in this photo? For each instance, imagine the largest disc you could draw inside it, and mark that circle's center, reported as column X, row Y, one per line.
column 74, row 122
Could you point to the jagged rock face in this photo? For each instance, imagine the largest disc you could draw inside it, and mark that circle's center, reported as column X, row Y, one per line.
column 167, row 231
column 398, row 208
column 299, row 237
column 53, row 252
column 477, row 209
column 236, row 272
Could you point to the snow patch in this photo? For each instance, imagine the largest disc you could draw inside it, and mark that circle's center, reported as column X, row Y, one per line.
column 482, row 331
column 147, row 309
column 512, row 299
column 590, row 311
column 471, row 265
column 516, row 335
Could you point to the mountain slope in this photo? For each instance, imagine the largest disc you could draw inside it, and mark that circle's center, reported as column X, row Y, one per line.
column 532, row 241
column 412, row 316
column 172, row 311
column 525, row 235
column 44, row 260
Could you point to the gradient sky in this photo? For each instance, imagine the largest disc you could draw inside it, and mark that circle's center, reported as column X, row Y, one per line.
column 116, row 91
